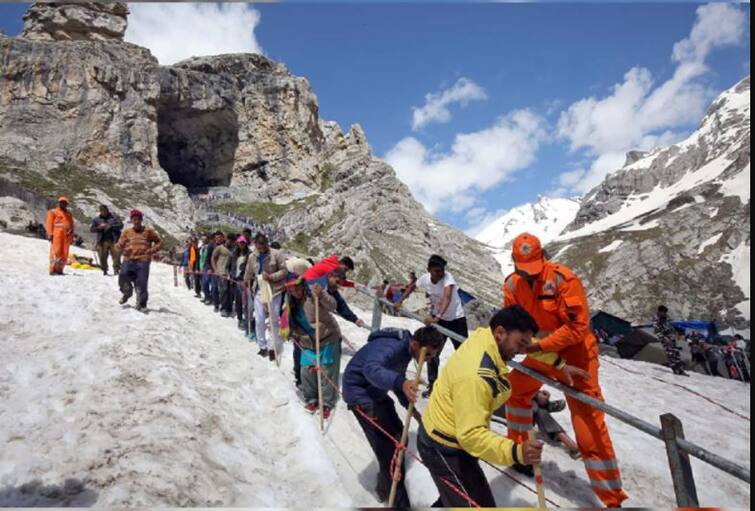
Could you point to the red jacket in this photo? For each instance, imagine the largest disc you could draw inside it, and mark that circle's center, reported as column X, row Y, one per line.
column 323, row 269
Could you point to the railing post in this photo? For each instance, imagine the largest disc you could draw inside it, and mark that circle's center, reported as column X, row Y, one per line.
column 678, row 460
column 377, row 315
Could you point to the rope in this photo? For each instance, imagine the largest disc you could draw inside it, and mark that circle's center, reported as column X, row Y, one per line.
column 691, row 391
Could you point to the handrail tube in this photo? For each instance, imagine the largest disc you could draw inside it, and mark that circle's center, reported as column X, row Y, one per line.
column 698, row 452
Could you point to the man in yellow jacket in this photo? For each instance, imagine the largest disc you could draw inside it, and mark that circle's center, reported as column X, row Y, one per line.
column 455, row 429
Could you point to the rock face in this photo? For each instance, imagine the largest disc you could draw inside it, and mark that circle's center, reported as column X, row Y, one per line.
column 100, row 120
column 75, row 21
column 673, row 226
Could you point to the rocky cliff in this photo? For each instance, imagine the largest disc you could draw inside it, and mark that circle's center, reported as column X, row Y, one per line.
column 673, row 225
column 86, row 114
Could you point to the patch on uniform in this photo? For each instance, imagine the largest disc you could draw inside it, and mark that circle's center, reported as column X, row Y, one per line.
column 525, row 249
column 549, row 287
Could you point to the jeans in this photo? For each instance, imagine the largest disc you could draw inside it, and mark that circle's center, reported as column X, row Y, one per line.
column 135, row 274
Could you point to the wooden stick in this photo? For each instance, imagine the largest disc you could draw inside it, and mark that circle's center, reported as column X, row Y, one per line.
column 405, row 433
column 538, row 477
column 175, row 275
column 317, row 359
column 272, row 334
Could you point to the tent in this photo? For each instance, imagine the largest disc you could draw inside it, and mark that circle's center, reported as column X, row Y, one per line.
column 635, row 341
column 706, row 328
column 613, row 325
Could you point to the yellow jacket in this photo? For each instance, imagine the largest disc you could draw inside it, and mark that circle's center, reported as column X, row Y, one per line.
column 471, row 386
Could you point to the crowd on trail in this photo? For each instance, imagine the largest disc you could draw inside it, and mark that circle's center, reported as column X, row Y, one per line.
column 271, row 231
column 274, row 299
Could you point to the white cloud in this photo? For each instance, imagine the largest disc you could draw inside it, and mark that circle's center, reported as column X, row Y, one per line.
column 640, row 115
column 476, row 161
column 177, row 31
column 436, row 105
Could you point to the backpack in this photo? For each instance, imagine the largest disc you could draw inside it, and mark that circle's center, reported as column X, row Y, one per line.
column 399, row 334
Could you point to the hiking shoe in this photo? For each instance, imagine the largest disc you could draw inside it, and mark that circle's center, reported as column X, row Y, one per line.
column 381, row 490
column 575, row 454
column 225, row 314
column 271, row 355
column 326, row 411
column 524, row 469
column 141, row 308
column 104, row 273
column 124, row 299
column 262, row 353
column 310, row 407
column 217, row 309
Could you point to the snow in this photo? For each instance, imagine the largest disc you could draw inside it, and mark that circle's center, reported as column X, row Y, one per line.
column 637, row 226
column 656, row 199
column 739, row 259
column 175, row 409
column 710, row 241
column 546, row 218
column 611, row 246
column 738, row 186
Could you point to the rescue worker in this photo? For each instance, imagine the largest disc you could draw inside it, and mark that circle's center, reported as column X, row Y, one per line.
column 60, row 232
column 667, row 335
column 108, row 228
column 137, row 245
column 377, row 368
column 455, row 429
column 554, row 296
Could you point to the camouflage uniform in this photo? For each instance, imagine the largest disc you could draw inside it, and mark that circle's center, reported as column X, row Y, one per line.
column 667, row 335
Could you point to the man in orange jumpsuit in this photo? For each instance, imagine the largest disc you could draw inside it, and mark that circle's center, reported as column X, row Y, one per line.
column 60, row 232
column 554, row 296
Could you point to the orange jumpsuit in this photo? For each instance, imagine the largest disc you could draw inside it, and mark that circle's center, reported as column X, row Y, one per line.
column 60, row 225
column 558, row 303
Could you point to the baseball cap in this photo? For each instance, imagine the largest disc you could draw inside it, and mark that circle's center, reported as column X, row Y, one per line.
column 135, row 212
column 242, row 239
column 528, row 254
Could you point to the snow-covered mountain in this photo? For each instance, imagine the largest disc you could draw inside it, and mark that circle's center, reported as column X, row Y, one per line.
column 546, row 218
column 103, row 406
column 673, row 226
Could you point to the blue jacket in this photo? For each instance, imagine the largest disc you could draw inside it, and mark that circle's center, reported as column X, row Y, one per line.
column 185, row 258
column 377, row 368
column 342, row 308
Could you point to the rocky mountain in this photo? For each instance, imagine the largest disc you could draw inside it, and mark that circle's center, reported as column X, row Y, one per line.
column 673, row 225
column 85, row 114
column 546, row 218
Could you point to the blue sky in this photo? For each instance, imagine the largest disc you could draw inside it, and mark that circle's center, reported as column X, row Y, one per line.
column 525, row 99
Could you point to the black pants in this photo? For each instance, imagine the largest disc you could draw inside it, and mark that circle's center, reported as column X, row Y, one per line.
column 135, row 274
column 458, row 326
column 297, row 364
column 238, row 288
column 225, row 294
column 454, row 466
column 384, row 413
column 197, row 283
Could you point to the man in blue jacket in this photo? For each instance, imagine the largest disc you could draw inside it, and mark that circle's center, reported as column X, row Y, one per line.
column 377, row 368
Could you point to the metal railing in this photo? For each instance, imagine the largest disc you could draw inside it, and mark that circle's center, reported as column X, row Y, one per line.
column 671, row 433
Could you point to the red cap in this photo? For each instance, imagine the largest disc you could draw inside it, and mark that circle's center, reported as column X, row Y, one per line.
column 135, row 212
column 528, row 254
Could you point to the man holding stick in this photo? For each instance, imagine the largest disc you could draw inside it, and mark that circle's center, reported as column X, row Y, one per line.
column 377, row 368
column 455, row 428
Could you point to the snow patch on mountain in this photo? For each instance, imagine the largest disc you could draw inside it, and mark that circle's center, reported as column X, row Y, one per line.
column 546, row 218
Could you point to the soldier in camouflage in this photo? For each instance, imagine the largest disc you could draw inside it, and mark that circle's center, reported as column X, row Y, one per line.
column 667, row 335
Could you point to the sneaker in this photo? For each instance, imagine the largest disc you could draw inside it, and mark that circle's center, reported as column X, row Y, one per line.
column 575, row 454
column 524, row 469
column 310, row 407
column 141, row 308
column 104, row 272
column 326, row 410
column 271, row 355
column 217, row 309
column 262, row 353
column 124, row 299
column 381, row 490
column 225, row 314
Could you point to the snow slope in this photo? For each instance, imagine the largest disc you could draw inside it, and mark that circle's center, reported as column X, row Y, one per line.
column 174, row 408
column 545, row 218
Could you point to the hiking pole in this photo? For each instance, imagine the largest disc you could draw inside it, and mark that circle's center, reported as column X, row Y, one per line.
column 317, row 358
column 404, row 435
column 538, row 477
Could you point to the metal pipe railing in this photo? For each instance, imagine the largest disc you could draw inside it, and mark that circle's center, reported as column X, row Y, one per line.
column 698, row 452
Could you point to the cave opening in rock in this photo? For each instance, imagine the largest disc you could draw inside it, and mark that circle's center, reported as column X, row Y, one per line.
column 197, row 147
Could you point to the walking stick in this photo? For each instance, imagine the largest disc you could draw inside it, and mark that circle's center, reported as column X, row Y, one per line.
column 175, row 275
column 317, row 359
column 405, row 433
column 538, row 478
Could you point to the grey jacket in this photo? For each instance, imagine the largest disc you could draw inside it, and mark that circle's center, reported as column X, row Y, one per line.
column 275, row 265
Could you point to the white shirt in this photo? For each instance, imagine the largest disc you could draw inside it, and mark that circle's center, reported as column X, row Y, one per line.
column 454, row 310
